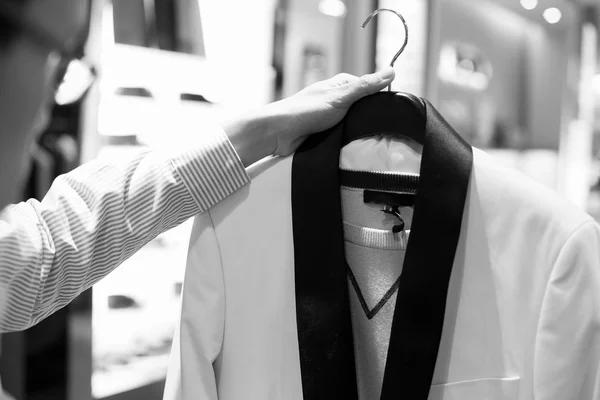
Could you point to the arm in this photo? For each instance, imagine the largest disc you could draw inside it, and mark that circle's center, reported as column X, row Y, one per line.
column 97, row 216
column 567, row 352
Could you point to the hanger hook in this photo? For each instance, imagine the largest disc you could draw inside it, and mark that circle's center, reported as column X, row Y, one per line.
column 373, row 14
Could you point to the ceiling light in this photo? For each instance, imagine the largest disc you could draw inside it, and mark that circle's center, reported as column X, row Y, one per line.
column 529, row 4
column 552, row 15
column 333, row 8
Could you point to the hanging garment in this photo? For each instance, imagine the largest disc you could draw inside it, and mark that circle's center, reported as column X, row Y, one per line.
column 498, row 296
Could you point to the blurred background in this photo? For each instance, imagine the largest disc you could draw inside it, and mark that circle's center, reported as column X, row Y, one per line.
column 519, row 79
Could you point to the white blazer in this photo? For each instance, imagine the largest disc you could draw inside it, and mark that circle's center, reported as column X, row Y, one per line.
column 499, row 296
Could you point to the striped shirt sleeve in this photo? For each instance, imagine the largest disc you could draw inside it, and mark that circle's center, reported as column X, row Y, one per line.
column 95, row 217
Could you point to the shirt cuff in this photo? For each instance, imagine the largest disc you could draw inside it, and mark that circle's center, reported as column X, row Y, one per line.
column 212, row 170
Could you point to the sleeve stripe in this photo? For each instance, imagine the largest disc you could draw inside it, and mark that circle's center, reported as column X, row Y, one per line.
column 212, row 172
column 97, row 216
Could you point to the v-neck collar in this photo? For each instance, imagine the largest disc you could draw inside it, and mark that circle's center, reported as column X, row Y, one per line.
column 322, row 302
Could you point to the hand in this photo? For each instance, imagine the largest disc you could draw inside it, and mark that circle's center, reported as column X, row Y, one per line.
column 320, row 106
column 279, row 128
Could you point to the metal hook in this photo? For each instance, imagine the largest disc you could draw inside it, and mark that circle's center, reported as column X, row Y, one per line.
column 374, row 13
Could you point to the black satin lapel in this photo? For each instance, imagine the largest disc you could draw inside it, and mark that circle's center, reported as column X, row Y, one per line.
column 322, row 303
column 420, row 305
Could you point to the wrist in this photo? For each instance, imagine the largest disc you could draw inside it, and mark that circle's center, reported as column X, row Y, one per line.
column 253, row 134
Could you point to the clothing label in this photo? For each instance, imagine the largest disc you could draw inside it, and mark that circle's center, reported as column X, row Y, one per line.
column 388, row 198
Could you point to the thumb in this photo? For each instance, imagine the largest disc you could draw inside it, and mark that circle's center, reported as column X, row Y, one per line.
column 369, row 84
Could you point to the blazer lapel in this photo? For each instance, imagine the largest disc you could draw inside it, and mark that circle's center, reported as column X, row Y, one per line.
column 445, row 170
column 322, row 304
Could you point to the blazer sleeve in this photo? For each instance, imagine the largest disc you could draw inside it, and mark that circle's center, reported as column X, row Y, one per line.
column 199, row 333
column 567, row 353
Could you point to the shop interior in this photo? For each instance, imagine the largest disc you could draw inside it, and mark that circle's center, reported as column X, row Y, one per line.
column 517, row 79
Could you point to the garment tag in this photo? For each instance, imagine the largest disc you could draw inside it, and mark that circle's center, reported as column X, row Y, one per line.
column 389, row 199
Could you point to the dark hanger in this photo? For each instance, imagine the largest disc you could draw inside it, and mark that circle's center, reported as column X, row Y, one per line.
column 388, row 113
column 392, row 113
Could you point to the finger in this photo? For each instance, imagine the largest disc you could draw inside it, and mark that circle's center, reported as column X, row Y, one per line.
column 369, row 84
column 373, row 83
column 342, row 79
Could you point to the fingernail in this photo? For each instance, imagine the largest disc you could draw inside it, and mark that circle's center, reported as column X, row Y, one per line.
column 386, row 73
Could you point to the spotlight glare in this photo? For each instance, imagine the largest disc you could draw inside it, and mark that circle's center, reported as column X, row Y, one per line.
column 333, row 8
column 529, row 4
column 552, row 15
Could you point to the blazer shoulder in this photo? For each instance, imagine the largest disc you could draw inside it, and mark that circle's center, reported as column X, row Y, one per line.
column 270, row 181
column 269, row 165
column 512, row 195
